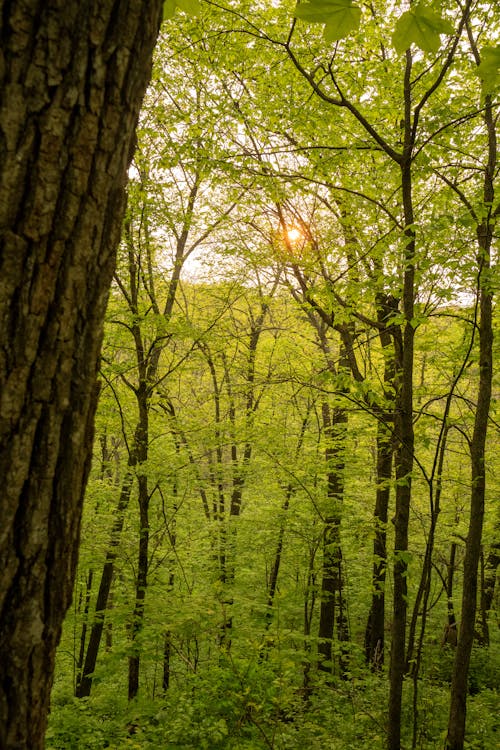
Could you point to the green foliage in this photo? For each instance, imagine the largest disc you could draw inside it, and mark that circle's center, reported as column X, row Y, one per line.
column 191, row 7
column 422, row 26
column 245, row 704
column 489, row 69
column 234, row 147
column 81, row 724
column 341, row 17
column 484, row 672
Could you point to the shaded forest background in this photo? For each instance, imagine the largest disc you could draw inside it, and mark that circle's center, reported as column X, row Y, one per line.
column 291, row 377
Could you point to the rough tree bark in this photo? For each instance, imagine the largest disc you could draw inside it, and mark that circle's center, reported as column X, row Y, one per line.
column 72, row 78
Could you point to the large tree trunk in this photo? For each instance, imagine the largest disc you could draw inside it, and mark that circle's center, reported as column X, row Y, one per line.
column 72, row 78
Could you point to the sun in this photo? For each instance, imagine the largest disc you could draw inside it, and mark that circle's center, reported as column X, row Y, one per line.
column 293, row 234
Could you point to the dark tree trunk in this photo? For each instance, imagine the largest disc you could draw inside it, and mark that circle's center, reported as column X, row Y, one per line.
column 413, row 657
column 404, row 466
column 83, row 634
column 167, row 653
column 167, row 642
column 488, row 582
column 309, row 606
column 332, row 605
column 172, row 537
column 404, row 435
column 275, row 569
column 375, row 629
column 458, row 703
column 106, row 473
column 143, row 498
column 329, row 589
column 108, row 634
column 387, row 306
column 140, row 588
column 450, row 576
column 136, row 454
column 72, row 79
column 84, row 684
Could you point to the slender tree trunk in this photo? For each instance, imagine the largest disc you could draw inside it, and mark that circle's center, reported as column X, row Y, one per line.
column 375, row 629
column 108, row 634
column 83, row 634
column 273, row 578
column 424, row 587
column 387, row 306
column 84, row 685
column 227, row 507
column 309, row 606
column 404, row 465
column 275, row 569
column 167, row 642
column 329, row 588
column 332, row 603
column 458, row 703
column 172, row 537
column 140, row 589
column 141, row 447
column 489, row 577
column 450, row 576
column 106, row 474
column 137, row 450
column 420, row 608
column 404, row 436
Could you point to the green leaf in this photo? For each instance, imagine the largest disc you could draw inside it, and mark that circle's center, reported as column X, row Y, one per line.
column 404, row 555
column 340, row 17
column 421, row 26
column 191, row 7
column 489, row 69
column 168, row 9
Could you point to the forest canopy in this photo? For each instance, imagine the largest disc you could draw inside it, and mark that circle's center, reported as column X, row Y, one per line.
column 291, row 527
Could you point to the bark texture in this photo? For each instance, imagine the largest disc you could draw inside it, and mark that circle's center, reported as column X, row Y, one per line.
column 72, row 77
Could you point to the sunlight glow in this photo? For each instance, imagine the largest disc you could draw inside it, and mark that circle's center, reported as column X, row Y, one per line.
column 294, row 234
